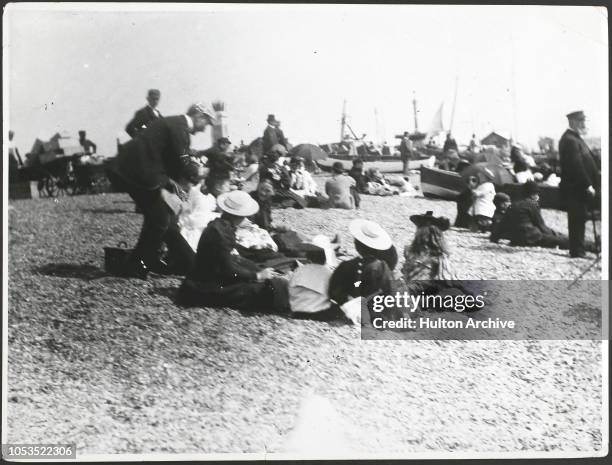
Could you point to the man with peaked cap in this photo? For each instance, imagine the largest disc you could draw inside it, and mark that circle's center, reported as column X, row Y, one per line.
column 148, row 163
column 145, row 115
column 580, row 180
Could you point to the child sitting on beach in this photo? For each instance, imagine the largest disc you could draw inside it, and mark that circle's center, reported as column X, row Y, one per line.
column 427, row 257
column 482, row 208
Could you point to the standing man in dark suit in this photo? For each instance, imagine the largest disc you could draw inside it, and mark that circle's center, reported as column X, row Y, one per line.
column 405, row 149
column 580, row 180
column 282, row 140
column 271, row 135
column 450, row 144
column 145, row 115
column 144, row 166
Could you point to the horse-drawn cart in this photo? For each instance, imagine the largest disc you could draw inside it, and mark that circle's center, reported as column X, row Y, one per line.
column 61, row 167
column 67, row 175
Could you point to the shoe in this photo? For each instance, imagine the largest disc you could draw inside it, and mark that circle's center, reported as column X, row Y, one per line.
column 158, row 266
column 578, row 255
column 135, row 268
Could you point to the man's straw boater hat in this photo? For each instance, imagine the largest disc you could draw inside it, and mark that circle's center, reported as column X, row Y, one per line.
column 370, row 234
column 237, row 203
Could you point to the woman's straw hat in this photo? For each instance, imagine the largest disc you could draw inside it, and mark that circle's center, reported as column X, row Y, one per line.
column 370, row 234
column 237, row 203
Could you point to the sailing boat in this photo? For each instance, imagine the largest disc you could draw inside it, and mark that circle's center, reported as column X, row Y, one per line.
column 437, row 126
column 351, row 147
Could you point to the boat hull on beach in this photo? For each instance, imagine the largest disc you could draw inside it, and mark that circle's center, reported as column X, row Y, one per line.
column 386, row 165
column 441, row 184
column 447, row 185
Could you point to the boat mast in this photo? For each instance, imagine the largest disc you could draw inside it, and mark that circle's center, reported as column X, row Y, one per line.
column 377, row 125
column 450, row 128
column 514, row 113
column 414, row 106
column 343, row 121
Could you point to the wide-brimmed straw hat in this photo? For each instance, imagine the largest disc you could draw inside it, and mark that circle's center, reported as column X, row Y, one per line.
column 237, row 203
column 428, row 219
column 370, row 234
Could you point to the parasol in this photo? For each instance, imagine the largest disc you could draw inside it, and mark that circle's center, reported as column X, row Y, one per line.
column 497, row 174
column 308, row 152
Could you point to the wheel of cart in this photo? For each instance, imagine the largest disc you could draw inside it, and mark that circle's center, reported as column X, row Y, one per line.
column 84, row 178
column 58, row 177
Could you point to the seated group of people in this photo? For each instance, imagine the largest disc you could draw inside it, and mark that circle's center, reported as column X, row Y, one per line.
column 344, row 189
column 373, row 182
column 524, row 169
column 480, row 208
column 317, row 285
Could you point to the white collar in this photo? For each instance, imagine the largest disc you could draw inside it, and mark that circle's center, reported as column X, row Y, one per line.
column 271, row 126
column 189, row 122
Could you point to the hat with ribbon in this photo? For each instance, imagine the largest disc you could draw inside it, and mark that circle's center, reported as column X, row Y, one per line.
column 237, row 203
column 428, row 219
column 370, row 234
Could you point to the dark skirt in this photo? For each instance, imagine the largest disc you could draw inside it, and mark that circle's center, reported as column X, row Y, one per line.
column 270, row 296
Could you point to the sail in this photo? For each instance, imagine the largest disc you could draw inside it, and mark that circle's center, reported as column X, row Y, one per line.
column 436, row 125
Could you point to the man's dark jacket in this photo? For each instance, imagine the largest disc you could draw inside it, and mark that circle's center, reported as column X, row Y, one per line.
column 578, row 167
column 405, row 150
column 270, row 139
column 450, row 144
column 141, row 118
column 219, row 162
column 147, row 161
column 522, row 224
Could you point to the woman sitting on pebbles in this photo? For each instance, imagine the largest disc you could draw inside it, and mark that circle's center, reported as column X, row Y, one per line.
column 249, row 178
column 427, row 266
column 368, row 274
column 221, row 277
column 427, row 257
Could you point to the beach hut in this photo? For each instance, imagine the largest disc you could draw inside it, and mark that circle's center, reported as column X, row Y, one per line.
column 497, row 140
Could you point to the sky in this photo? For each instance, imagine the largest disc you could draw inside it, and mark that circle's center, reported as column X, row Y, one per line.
column 514, row 69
